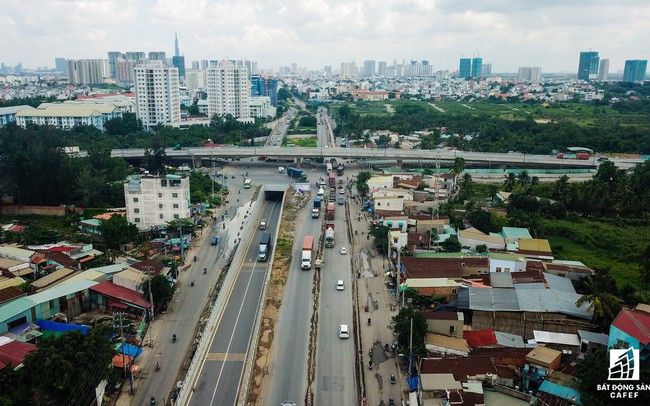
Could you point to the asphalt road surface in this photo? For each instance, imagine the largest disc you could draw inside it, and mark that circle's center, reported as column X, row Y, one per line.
column 221, row 373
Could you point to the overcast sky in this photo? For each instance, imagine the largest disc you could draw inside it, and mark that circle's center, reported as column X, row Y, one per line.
column 313, row 33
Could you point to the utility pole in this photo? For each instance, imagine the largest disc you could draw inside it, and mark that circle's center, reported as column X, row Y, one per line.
column 120, row 325
column 182, row 250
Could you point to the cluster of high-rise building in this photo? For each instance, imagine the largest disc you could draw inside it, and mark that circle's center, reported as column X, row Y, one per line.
column 591, row 67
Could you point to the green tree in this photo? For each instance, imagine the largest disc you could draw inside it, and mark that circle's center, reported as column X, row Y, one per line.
column 154, row 157
column 401, row 326
column 379, row 234
column 523, row 179
column 601, row 295
column 67, row 369
column 117, row 231
column 458, row 167
column 591, row 372
column 451, row 244
column 362, row 182
column 162, row 290
column 510, row 182
column 645, row 266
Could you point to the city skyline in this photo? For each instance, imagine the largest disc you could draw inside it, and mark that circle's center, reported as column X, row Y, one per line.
column 550, row 35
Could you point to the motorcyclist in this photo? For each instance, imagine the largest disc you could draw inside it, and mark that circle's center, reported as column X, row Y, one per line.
column 192, row 284
column 369, row 321
column 152, row 402
column 157, row 365
column 194, row 258
column 174, row 337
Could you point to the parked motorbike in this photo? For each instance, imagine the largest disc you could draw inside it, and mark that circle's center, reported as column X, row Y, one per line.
column 392, row 379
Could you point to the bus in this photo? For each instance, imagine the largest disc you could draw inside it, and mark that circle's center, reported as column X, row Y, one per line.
column 247, row 184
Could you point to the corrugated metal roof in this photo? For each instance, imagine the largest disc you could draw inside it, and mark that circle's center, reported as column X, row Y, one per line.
column 559, row 282
column 560, row 391
column 515, row 233
column 493, row 299
column 635, row 323
column 127, row 295
column 597, row 338
column 509, row 340
column 14, row 109
column 501, row 280
column 556, row 338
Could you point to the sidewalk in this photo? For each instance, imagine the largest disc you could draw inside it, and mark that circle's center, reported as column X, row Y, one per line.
column 372, row 291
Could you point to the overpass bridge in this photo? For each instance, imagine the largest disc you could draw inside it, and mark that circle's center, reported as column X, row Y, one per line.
column 399, row 155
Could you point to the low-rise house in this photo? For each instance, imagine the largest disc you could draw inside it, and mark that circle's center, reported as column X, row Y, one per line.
column 445, row 345
column 574, row 270
column 631, row 329
column 567, row 343
column 506, row 262
column 551, row 393
column 532, row 248
column 591, row 342
column 131, row 279
column 458, row 380
column 53, row 278
column 434, row 278
column 539, row 362
column 480, row 338
column 8, row 114
column 445, row 323
column 472, row 237
column 111, row 297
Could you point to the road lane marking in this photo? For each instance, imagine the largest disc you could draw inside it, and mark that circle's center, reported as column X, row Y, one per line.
column 224, row 356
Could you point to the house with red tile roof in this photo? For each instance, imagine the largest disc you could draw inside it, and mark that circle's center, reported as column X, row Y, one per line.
column 480, row 338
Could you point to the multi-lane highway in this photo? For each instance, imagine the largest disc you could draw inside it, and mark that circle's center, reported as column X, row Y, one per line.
column 221, row 373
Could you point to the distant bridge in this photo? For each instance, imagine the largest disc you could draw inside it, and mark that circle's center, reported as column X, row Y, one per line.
column 482, row 158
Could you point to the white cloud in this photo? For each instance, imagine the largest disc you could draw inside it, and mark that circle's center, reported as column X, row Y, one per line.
column 314, row 33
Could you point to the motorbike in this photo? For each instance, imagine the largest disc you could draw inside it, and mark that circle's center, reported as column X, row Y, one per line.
column 192, row 283
column 157, row 366
column 152, row 402
column 391, row 402
column 194, row 258
column 369, row 321
column 174, row 338
column 366, row 308
column 392, row 379
column 205, row 270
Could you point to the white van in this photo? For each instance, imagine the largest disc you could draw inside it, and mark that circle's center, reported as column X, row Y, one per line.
column 280, row 169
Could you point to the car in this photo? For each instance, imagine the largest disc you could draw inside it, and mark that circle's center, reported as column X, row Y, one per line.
column 340, row 285
column 344, row 331
column 214, row 241
column 343, row 251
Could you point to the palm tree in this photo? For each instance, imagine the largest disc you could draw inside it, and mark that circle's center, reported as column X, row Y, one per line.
column 600, row 295
column 523, row 179
column 510, row 182
column 459, row 166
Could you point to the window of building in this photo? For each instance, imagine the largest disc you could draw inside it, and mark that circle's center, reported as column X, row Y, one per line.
column 135, row 200
column 176, row 216
column 454, row 291
column 136, row 210
column 498, row 269
column 137, row 219
column 452, row 329
column 622, row 344
column 174, row 195
column 160, row 205
column 176, row 206
column 160, row 216
column 160, row 195
column 163, row 182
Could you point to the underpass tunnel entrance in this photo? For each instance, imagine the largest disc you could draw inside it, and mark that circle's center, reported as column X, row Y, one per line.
column 274, row 192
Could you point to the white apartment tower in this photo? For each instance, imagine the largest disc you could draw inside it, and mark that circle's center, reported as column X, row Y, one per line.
column 153, row 201
column 530, row 74
column 229, row 91
column 157, row 94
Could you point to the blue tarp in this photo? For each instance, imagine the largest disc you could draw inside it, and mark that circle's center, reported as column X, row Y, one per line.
column 61, row 327
column 413, row 383
column 130, row 350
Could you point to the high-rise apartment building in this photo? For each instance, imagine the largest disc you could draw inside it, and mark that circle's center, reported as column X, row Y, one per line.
column 61, row 65
column 349, row 69
column 261, row 86
column 196, row 79
column 327, row 69
column 588, row 65
column 124, row 70
column 381, row 68
column 603, row 69
column 196, row 65
column 136, row 56
column 158, row 56
column 153, row 201
column 113, row 56
column 86, row 71
column 530, row 74
column 229, row 90
column 157, row 94
column 635, row 70
column 477, row 67
column 369, row 68
column 465, row 69
column 487, row 70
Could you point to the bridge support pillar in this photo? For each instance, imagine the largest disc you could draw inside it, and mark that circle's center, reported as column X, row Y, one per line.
column 399, row 163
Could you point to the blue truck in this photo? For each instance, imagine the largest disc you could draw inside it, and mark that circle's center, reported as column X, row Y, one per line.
column 264, row 248
column 295, row 173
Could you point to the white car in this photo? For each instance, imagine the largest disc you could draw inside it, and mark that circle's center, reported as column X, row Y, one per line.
column 340, row 285
column 343, row 251
column 344, row 331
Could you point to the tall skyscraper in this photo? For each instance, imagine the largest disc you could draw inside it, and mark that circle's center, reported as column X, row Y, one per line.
column 349, row 69
column 465, row 69
column 369, row 68
column 588, row 65
column 603, row 69
column 177, row 60
column 229, row 90
column 157, row 96
column 381, row 68
column 635, row 70
column 158, row 56
column 261, row 86
column 135, row 56
column 530, row 74
column 487, row 70
column 86, row 71
column 61, row 65
column 124, row 70
column 477, row 67
column 112, row 57
column 176, row 50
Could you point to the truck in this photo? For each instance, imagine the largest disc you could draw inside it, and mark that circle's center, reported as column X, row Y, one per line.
column 329, row 235
column 307, row 249
column 340, row 169
column 295, row 173
column 332, row 196
column 330, row 211
column 329, row 167
column 263, row 225
column 315, row 212
column 321, row 193
column 579, row 155
column 332, row 179
column 265, row 247
column 280, row 169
